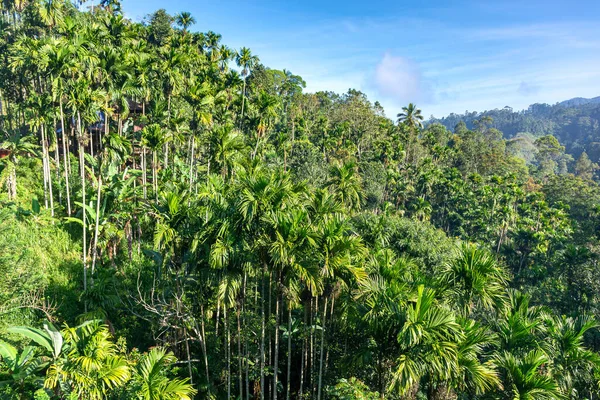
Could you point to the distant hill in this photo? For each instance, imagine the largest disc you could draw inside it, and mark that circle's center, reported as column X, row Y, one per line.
column 575, row 122
column 579, row 101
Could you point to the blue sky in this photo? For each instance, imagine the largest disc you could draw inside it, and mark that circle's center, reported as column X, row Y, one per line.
column 444, row 56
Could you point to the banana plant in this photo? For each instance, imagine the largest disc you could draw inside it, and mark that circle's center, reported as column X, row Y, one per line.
column 22, row 367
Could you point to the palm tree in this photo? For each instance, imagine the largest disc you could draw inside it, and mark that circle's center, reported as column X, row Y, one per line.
column 526, row 378
column 411, row 117
column 572, row 363
column 339, row 249
column 91, row 366
column 345, row 183
column 291, row 239
column 16, row 146
column 185, row 20
column 428, row 343
column 247, row 62
column 60, row 63
column 475, row 280
column 266, row 110
column 226, row 144
column 473, row 375
column 152, row 382
column 152, row 139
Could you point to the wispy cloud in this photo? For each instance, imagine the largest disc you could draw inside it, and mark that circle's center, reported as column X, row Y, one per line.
column 400, row 79
column 474, row 55
column 528, row 88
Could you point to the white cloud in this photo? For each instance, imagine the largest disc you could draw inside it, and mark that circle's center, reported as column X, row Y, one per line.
column 528, row 88
column 400, row 79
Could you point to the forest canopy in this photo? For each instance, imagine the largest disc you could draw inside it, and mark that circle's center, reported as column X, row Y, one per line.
column 179, row 221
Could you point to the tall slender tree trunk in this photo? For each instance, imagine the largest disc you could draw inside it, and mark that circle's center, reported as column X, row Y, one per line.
column 331, row 321
column 204, row 352
column 262, row 336
column 276, row 350
column 192, row 161
column 322, row 349
column 97, row 223
column 303, row 362
column 289, row 355
column 45, row 171
column 91, row 143
column 57, row 162
column 84, row 233
column 313, row 348
column 269, row 314
column 187, row 351
column 243, row 98
column 246, row 345
column 48, row 172
column 228, row 349
column 144, row 173
column 154, row 183
column 240, row 355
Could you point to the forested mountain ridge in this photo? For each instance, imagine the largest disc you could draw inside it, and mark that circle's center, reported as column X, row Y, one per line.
column 575, row 123
column 179, row 221
column 578, row 101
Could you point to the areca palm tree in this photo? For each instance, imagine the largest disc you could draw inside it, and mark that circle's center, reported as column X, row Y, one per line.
column 152, row 382
column 91, row 367
column 526, row 378
column 152, row 139
column 428, row 343
column 59, row 54
column 339, row 249
column 247, row 62
column 289, row 242
column 16, row 146
column 266, row 111
column 472, row 374
column 345, row 183
column 475, row 280
column 573, row 364
column 185, row 20
column 226, row 144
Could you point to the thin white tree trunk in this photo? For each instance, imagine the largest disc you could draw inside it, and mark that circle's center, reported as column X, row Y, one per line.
column 57, row 162
column 240, row 356
column 323, row 323
column 154, row 183
column 228, row 347
column 289, row 356
column 97, row 222
column 65, row 140
column 144, row 173
column 45, row 171
column 48, row 172
column 204, row 353
column 84, row 233
column 276, row 357
column 262, row 336
column 192, row 162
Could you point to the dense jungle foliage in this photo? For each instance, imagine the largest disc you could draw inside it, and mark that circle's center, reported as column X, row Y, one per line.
column 179, row 221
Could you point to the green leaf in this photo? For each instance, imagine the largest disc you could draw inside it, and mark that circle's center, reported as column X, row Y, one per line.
column 73, row 219
column 57, row 338
column 9, row 354
column 35, row 205
column 40, row 337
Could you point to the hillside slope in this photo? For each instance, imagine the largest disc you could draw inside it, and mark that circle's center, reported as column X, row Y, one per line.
column 575, row 122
